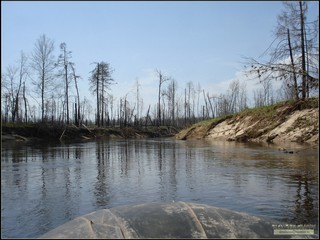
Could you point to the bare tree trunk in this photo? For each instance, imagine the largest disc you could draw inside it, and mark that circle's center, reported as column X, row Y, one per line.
column 162, row 79
column 189, row 105
column 98, row 106
column 303, row 63
column 111, row 109
column 6, row 113
column 102, row 104
column 205, row 100
column 185, row 106
column 102, row 97
column 21, row 75
column 293, row 68
column 147, row 117
column 53, row 108
column 125, row 111
column 138, row 102
column 78, row 97
column 15, row 116
column 173, row 101
column 199, row 91
column 159, row 109
column 210, row 105
column 67, row 94
column 42, row 96
column 25, row 103
column 307, row 62
column 76, row 114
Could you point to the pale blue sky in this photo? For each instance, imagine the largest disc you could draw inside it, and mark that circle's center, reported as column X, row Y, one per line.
column 191, row 41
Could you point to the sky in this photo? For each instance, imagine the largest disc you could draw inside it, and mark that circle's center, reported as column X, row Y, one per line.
column 199, row 41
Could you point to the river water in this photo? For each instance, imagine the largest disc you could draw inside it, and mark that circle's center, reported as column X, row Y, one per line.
column 44, row 185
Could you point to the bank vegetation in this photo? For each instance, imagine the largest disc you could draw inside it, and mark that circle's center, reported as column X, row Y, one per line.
column 288, row 121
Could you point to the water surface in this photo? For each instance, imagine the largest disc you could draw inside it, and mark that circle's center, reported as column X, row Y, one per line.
column 44, row 185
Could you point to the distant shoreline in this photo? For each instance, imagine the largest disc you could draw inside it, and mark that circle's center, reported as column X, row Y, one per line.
column 31, row 132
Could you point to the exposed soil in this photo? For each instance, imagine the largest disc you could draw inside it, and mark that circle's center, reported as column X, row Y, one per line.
column 283, row 122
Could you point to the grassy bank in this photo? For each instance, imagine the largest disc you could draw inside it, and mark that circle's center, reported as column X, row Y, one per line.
column 256, row 122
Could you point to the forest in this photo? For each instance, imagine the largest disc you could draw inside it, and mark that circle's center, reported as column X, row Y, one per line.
column 38, row 89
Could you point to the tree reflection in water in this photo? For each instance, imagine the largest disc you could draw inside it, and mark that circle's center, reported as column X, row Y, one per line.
column 304, row 204
column 103, row 164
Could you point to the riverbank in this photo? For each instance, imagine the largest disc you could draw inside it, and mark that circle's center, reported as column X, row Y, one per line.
column 29, row 132
column 289, row 121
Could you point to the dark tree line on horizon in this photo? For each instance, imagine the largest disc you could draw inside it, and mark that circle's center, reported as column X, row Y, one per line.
column 52, row 84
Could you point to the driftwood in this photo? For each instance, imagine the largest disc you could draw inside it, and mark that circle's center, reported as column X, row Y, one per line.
column 89, row 130
column 18, row 137
column 62, row 134
column 84, row 137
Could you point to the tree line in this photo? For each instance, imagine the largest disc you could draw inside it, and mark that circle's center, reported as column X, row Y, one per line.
column 53, row 79
column 294, row 60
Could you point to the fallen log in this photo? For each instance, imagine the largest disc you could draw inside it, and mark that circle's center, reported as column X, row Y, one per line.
column 88, row 130
column 62, row 134
column 20, row 138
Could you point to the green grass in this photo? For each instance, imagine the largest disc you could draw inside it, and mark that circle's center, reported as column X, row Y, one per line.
column 208, row 123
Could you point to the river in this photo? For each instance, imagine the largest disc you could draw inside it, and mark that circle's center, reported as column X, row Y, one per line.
column 44, row 185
